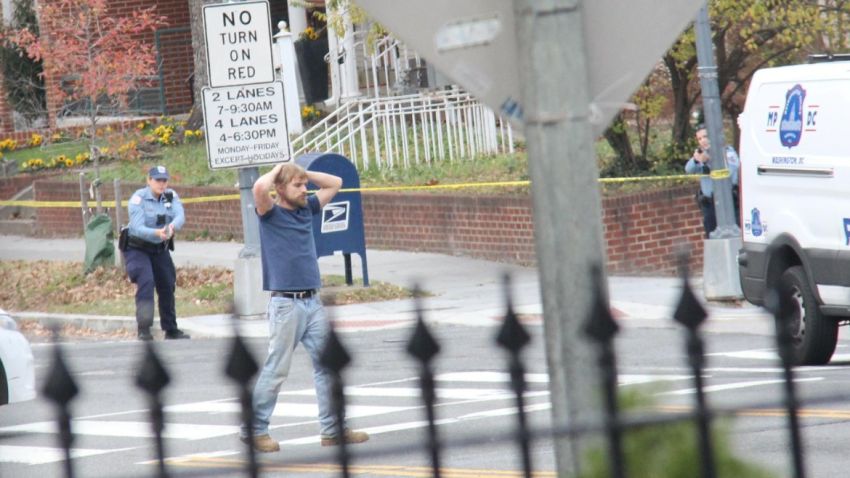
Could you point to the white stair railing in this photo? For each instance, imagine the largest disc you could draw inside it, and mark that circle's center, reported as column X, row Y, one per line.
column 400, row 131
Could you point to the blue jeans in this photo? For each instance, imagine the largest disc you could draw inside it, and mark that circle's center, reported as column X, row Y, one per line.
column 292, row 321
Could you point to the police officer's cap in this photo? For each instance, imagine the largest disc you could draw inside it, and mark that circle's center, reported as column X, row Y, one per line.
column 158, row 172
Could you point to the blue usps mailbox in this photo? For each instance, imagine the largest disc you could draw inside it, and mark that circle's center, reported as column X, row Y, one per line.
column 339, row 229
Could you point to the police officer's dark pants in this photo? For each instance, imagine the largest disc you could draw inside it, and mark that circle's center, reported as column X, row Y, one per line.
column 709, row 218
column 151, row 271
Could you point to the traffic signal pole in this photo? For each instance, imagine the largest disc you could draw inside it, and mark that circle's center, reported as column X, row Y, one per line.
column 720, row 267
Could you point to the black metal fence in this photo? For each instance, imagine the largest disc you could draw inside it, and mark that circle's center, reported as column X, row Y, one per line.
column 600, row 328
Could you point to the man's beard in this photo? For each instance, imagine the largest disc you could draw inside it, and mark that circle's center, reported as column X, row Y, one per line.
column 296, row 200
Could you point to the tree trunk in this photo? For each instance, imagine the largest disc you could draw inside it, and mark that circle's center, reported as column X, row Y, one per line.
column 679, row 82
column 199, row 77
column 618, row 137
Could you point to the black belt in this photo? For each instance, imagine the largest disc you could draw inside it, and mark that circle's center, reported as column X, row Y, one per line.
column 143, row 245
column 294, row 294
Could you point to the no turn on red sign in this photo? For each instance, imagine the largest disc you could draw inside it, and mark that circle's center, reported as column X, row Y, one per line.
column 239, row 43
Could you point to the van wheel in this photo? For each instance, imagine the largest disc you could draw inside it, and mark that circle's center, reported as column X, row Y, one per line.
column 814, row 335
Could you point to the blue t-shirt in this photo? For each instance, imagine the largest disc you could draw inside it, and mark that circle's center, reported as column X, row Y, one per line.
column 287, row 247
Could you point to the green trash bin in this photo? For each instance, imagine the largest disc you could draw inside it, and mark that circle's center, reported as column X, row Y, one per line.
column 99, row 247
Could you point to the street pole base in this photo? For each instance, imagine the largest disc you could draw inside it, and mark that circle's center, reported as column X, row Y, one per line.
column 720, row 269
column 249, row 298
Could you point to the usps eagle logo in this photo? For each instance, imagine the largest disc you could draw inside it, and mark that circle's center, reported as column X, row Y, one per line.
column 791, row 125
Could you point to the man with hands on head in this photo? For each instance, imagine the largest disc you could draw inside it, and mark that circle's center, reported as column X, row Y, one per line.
column 155, row 213
column 295, row 312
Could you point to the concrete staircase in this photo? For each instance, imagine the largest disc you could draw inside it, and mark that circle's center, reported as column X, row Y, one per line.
column 18, row 220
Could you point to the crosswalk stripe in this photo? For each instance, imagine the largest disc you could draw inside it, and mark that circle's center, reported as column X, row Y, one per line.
column 488, row 377
column 768, row 354
column 401, row 392
column 501, row 412
column 282, row 409
column 128, row 429
column 737, row 385
column 500, row 377
column 307, row 412
column 37, row 455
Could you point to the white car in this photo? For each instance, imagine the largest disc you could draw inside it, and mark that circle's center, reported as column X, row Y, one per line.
column 17, row 365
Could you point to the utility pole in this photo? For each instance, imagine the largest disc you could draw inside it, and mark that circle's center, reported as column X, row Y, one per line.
column 552, row 60
column 720, row 267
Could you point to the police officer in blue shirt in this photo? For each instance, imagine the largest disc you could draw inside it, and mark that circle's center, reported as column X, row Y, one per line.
column 155, row 214
column 699, row 164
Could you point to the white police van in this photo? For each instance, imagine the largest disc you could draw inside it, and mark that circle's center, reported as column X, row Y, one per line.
column 795, row 197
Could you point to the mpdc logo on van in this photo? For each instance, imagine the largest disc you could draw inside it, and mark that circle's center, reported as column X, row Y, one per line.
column 791, row 125
column 754, row 224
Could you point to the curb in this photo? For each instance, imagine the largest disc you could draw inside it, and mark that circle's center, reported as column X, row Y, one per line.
column 99, row 323
column 112, row 323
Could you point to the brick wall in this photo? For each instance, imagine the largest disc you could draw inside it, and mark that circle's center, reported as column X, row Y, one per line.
column 642, row 230
column 220, row 219
column 175, row 53
column 496, row 228
column 13, row 185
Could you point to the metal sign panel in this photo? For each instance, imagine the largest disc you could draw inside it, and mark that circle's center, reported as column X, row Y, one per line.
column 473, row 42
column 246, row 125
column 239, row 43
column 335, row 217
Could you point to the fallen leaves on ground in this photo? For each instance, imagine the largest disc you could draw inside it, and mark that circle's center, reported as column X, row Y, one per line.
column 46, row 286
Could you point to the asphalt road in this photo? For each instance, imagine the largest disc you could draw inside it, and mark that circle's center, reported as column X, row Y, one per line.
column 202, row 415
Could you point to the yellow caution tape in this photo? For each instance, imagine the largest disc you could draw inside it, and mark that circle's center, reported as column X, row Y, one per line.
column 437, row 186
column 232, row 197
column 719, row 174
column 647, row 178
column 223, row 197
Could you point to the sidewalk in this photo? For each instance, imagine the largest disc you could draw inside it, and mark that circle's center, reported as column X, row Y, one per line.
column 465, row 291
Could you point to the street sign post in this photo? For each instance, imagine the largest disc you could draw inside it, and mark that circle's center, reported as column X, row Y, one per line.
column 239, row 43
column 246, row 125
column 245, row 118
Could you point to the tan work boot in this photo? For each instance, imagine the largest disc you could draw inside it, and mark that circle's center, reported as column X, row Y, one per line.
column 263, row 443
column 351, row 436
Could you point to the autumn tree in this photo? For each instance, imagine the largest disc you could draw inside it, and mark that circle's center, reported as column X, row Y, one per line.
column 199, row 60
column 105, row 57
column 747, row 36
column 22, row 79
column 649, row 102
